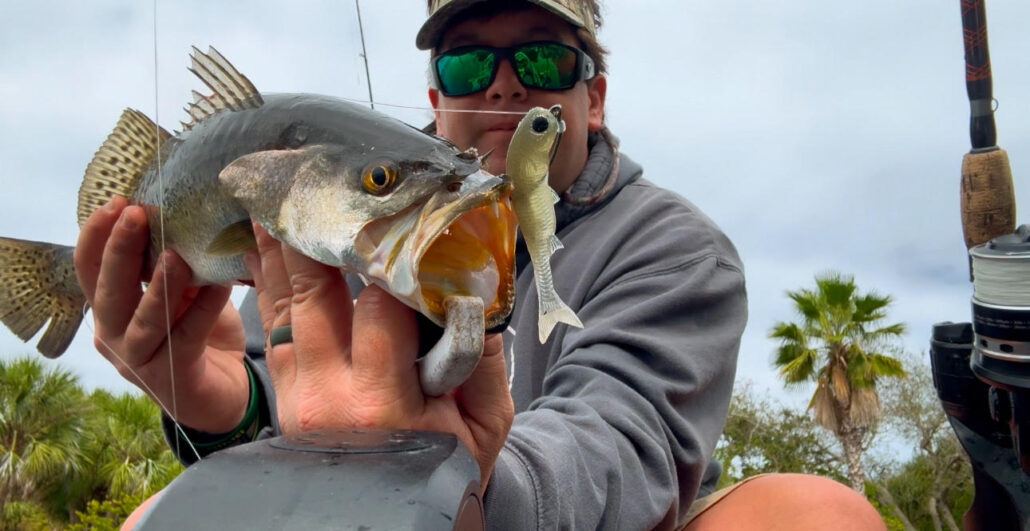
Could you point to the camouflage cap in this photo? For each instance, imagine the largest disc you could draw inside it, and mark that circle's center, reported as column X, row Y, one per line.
column 576, row 12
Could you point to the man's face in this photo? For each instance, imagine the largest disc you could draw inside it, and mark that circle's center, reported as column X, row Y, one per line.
column 582, row 105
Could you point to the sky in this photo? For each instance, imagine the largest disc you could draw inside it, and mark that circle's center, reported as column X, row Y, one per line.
column 819, row 135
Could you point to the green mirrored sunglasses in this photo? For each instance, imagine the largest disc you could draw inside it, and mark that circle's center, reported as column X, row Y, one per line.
column 543, row 65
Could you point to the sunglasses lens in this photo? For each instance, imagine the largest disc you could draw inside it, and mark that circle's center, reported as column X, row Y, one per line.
column 465, row 72
column 548, row 66
column 541, row 65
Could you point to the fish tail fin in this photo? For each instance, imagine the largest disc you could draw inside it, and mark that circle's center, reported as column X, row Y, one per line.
column 119, row 164
column 553, row 311
column 38, row 284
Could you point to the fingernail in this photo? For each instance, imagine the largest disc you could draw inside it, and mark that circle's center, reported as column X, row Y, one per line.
column 252, row 261
column 129, row 223
column 111, row 205
column 259, row 231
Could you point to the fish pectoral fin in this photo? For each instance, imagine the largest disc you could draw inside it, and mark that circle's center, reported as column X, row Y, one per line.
column 233, row 240
column 261, row 181
column 38, row 284
column 117, row 166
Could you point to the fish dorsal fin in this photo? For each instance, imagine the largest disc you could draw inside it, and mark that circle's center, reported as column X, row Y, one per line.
column 117, row 166
column 232, row 90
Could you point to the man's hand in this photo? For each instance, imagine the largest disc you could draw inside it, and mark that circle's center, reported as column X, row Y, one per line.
column 132, row 325
column 353, row 365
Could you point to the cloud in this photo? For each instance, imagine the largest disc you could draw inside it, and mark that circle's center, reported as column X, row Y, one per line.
column 818, row 135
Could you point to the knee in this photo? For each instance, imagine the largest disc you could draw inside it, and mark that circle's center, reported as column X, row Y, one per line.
column 809, row 499
column 792, row 501
column 138, row 512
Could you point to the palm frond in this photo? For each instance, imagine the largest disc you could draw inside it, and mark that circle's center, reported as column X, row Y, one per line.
column 870, row 306
column 883, row 365
column 788, row 332
column 806, row 303
column 824, row 408
column 836, row 289
column 796, row 364
column 839, row 383
column 865, row 407
column 886, row 332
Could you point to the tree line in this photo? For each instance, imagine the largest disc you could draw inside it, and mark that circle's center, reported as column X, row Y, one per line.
column 76, row 460
column 71, row 459
column 873, row 420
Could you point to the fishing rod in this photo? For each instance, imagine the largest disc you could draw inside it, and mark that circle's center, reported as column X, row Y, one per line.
column 981, row 370
column 988, row 203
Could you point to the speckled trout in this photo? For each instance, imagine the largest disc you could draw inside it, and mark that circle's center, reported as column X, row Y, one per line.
column 338, row 182
column 527, row 162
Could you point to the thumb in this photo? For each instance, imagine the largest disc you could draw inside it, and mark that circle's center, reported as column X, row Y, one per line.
column 485, row 396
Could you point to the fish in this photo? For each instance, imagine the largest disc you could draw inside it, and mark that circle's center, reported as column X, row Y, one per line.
column 340, row 183
column 526, row 164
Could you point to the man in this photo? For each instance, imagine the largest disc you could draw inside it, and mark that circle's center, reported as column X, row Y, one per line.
column 615, row 423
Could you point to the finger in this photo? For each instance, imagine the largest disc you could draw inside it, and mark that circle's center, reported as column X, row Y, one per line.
column 191, row 331
column 253, row 262
column 320, row 313
column 275, row 293
column 485, row 396
column 385, row 346
column 90, row 246
column 118, row 285
column 228, row 333
column 154, row 315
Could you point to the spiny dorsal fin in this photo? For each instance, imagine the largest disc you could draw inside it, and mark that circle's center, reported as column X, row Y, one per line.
column 117, row 166
column 232, row 90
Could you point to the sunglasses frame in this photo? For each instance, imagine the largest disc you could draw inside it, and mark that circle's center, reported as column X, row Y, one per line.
column 583, row 71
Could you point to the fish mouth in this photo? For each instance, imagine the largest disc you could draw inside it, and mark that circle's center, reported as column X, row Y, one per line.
column 451, row 243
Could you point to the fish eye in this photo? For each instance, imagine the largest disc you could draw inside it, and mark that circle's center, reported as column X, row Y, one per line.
column 540, row 124
column 379, row 178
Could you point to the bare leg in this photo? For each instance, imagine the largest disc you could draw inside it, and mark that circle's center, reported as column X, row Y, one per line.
column 790, row 502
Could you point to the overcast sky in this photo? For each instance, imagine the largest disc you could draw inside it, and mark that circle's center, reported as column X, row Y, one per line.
column 819, row 135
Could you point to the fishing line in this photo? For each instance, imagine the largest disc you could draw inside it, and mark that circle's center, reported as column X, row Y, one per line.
column 1001, row 279
column 1001, row 289
column 147, row 388
column 364, row 55
column 174, row 413
column 430, row 109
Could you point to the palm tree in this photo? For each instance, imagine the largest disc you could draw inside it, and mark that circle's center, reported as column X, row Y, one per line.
column 128, row 447
column 42, row 417
column 838, row 344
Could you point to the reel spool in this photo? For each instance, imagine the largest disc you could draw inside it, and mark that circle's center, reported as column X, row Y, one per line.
column 1001, row 329
column 1001, row 303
